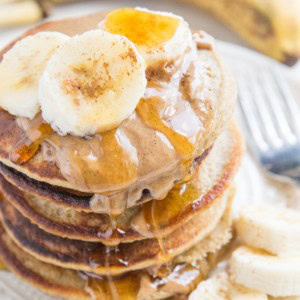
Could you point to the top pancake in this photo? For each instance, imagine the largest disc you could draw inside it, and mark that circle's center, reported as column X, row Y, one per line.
column 161, row 167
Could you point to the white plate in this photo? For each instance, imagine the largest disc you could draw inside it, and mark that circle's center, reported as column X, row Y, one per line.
column 252, row 185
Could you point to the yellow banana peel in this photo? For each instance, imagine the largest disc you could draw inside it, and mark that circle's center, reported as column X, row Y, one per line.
column 270, row 26
column 15, row 13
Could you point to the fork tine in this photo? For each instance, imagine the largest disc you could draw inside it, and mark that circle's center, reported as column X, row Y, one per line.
column 263, row 113
column 255, row 137
column 290, row 102
column 274, row 103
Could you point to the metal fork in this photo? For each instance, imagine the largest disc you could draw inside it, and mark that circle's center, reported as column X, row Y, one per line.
column 272, row 120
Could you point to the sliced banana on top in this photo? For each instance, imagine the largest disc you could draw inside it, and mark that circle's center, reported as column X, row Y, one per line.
column 21, row 69
column 157, row 35
column 92, row 83
column 274, row 229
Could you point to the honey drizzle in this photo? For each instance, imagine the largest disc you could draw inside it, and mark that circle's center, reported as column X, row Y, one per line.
column 157, row 212
column 126, row 287
column 141, row 27
column 157, row 234
column 110, row 288
column 180, row 279
column 99, row 204
column 29, row 144
column 149, row 110
column 2, row 266
column 113, row 289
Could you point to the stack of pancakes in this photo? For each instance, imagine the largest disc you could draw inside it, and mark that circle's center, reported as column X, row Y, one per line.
column 160, row 243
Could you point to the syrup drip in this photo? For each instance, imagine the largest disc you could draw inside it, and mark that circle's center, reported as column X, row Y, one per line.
column 157, row 212
column 26, row 148
column 102, row 204
column 156, row 230
column 2, row 266
column 110, row 288
column 126, row 287
column 142, row 27
column 114, row 232
column 181, row 280
column 148, row 109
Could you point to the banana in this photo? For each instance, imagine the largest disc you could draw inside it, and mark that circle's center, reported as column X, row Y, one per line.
column 274, row 229
column 284, row 298
column 239, row 292
column 14, row 13
column 273, row 275
column 159, row 36
column 21, row 69
column 270, row 26
column 220, row 287
column 92, row 83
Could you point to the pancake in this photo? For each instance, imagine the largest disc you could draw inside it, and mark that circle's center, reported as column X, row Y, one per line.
column 99, row 259
column 159, row 167
column 212, row 177
column 69, row 284
column 70, row 199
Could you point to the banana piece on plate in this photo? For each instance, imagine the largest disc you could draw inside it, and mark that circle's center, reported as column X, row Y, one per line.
column 284, row 298
column 274, row 229
column 220, row 287
column 13, row 13
column 21, row 69
column 273, row 275
column 270, row 26
column 239, row 292
column 95, row 79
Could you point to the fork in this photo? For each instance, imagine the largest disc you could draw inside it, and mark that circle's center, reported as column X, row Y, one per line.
column 272, row 120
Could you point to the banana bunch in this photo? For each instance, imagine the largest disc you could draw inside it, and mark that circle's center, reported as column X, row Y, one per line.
column 14, row 12
column 267, row 266
column 270, row 26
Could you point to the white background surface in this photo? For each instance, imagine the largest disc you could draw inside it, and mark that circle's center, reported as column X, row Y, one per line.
column 252, row 186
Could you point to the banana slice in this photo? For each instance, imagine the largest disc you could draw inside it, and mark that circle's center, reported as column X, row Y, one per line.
column 157, row 35
column 285, row 298
column 239, row 292
column 274, row 229
column 21, row 69
column 92, row 83
column 273, row 275
column 220, row 287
